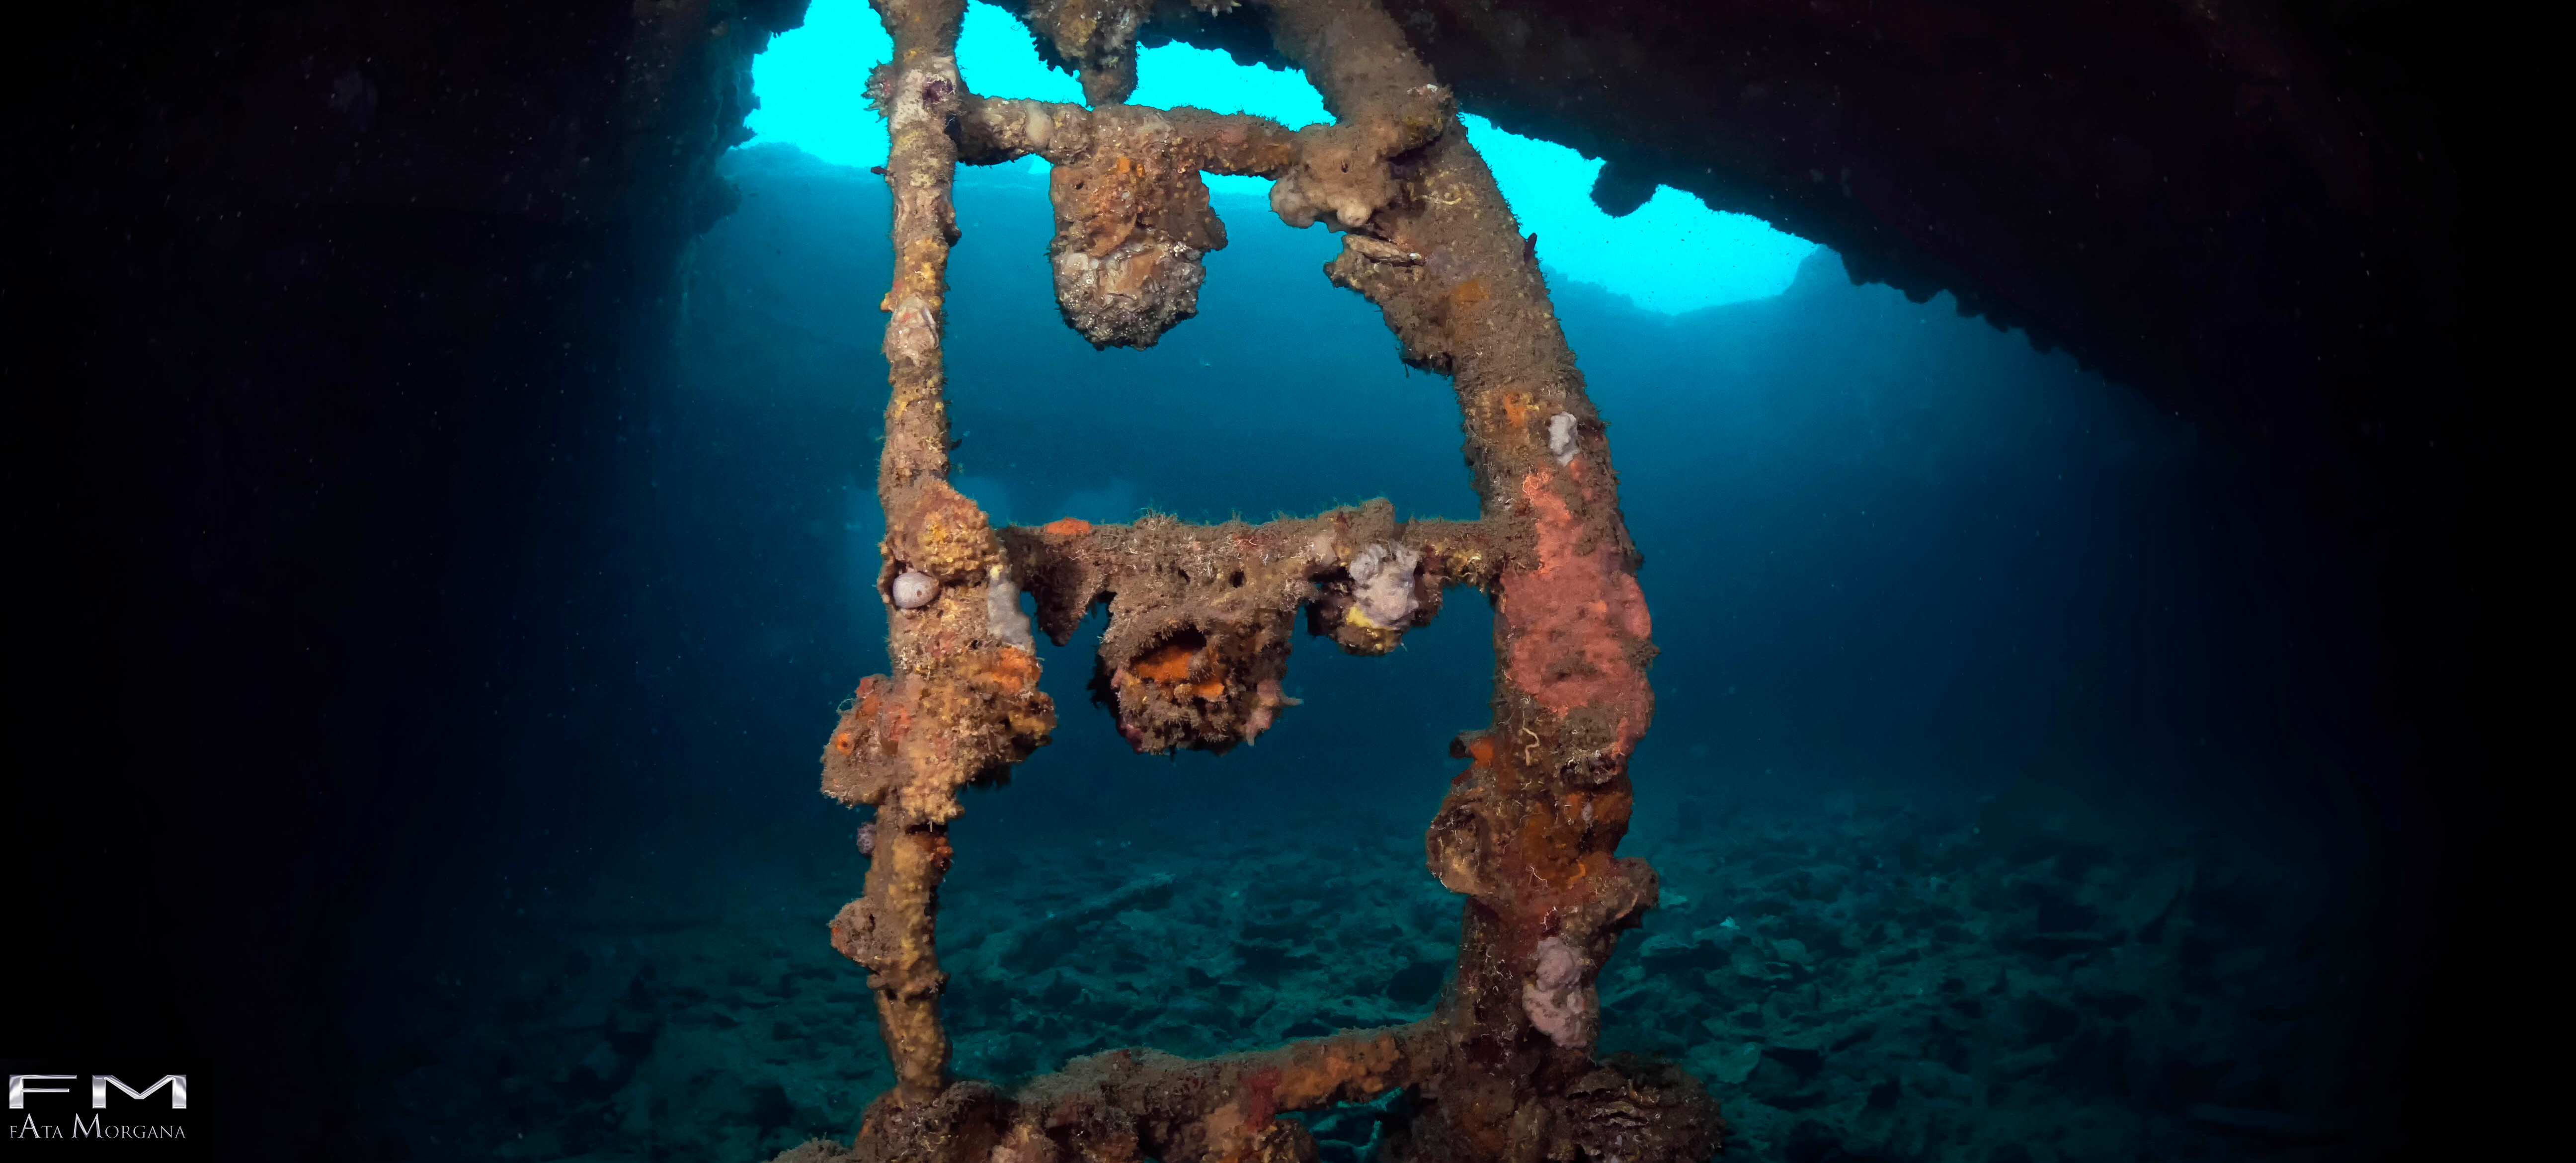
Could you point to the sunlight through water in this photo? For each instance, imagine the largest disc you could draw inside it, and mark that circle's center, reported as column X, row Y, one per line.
column 1671, row 255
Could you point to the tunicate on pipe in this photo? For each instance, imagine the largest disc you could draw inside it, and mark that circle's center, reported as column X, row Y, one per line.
column 1382, row 575
column 913, row 589
column 1560, row 437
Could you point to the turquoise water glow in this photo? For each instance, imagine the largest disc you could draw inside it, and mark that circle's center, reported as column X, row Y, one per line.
column 1672, row 255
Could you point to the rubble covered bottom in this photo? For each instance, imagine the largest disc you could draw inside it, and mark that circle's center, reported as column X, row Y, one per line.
column 2013, row 978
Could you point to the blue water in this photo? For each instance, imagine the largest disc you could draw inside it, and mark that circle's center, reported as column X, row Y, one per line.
column 1671, row 254
column 1964, row 679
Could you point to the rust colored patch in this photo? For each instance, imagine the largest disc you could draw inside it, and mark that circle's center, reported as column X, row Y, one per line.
column 1066, row 527
column 1012, row 671
column 1482, row 751
column 846, row 738
column 1260, row 1094
column 946, row 536
column 1170, row 665
column 1570, row 621
column 1167, row 664
column 895, row 723
column 884, row 711
column 1469, row 293
column 1611, row 809
column 1550, row 851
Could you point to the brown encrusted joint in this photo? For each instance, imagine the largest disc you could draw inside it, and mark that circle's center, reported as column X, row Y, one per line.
column 995, row 130
column 1542, row 854
column 913, row 741
column 1199, row 615
column 1127, row 1104
column 955, row 1126
column 1131, row 229
column 1627, row 1108
column 1203, row 678
column 859, row 763
column 1132, row 216
column 1636, row 1108
column 858, row 934
column 1342, row 173
column 1131, row 213
column 1097, row 38
column 1069, row 565
column 941, row 533
column 1349, row 171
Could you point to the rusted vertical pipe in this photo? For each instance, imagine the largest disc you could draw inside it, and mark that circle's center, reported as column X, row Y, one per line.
column 919, row 90
column 963, row 701
column 919, row 93
column 963, row 698
column 1527, row 834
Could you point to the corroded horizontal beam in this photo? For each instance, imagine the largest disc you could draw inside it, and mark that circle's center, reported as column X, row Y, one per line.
column 1132, row 213
column 1220, row 1108
column 1121, row 1106
column 995, row 130
column 1200, row 616
column 1125, row 1105
column 1069, row 564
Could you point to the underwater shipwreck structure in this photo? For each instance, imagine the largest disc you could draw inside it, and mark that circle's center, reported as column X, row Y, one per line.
column 349, row 322
column 1200, row 616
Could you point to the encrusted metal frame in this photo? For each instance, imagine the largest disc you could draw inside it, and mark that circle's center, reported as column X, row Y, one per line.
column 1200, row 616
